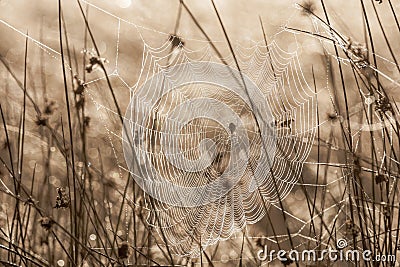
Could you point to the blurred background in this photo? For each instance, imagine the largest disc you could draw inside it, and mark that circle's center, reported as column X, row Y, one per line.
column 67, row 200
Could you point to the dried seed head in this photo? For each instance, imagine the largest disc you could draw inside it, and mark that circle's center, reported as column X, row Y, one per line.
column 79, row 85
column 94, row 63
column 44, row 240
column 123, row 250
column 80, row 102
column 382, row 105
column 332, row 116
column 380, row 178
column 62, row 200
column 351, row 228
column 30, row 201
column 86, row 121
column 176, row 41
column 50, row 107
column 307, row 7
column 386, row 210
column 46, row 223
column 261, row 242
column 41, row 120
column 358, row 53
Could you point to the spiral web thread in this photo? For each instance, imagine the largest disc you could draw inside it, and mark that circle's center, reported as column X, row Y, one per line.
column 279, row 76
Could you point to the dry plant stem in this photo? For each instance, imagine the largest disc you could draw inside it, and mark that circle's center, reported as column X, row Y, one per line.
column 75, row 228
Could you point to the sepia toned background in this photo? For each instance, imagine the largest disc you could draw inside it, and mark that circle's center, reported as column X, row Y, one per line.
column 100, row 217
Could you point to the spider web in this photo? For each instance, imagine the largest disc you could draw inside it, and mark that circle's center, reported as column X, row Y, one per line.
column 293, row 115
column 281, row 82
column 293, row 106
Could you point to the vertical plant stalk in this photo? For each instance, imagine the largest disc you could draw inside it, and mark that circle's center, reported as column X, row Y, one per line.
column 71, row 150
